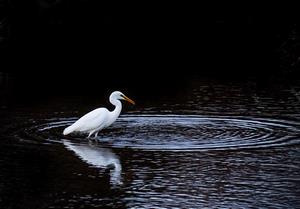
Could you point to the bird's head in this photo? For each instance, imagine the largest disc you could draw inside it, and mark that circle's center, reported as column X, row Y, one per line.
column 120, row 96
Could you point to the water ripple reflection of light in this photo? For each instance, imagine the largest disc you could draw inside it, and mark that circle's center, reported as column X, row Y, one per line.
column 185, row 132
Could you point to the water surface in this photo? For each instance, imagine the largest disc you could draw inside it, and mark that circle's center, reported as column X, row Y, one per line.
column 214, row 145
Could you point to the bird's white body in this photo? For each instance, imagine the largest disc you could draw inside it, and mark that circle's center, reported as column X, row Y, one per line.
column 99, row 118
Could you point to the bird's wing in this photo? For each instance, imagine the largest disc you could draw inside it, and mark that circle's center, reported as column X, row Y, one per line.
column 92, row 120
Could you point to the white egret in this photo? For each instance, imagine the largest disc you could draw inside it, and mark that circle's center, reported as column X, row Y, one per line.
column 99, row 118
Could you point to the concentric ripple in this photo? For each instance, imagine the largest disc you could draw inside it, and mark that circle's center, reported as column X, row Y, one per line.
column 182, row 132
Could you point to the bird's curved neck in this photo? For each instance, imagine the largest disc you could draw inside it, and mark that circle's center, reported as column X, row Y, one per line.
column 118, row 107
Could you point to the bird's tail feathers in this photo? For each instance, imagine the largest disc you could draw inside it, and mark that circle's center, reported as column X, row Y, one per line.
column 69, row 130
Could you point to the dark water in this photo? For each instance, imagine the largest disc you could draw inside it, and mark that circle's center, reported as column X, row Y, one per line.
column 213, row 145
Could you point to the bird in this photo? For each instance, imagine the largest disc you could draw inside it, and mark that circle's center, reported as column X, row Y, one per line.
column 99, row 118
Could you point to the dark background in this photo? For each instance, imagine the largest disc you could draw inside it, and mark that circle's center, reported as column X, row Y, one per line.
column 80, row 47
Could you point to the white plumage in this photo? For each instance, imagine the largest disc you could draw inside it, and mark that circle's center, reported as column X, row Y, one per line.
column 99, row 118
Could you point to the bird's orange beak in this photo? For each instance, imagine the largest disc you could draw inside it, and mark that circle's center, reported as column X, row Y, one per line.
column 129, row 100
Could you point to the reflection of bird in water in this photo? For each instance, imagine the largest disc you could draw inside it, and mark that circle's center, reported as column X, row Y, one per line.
column 98, row 157
column 99, row 118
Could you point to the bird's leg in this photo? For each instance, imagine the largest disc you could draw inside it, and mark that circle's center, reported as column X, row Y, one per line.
column 89, row 136
column 95, row 137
